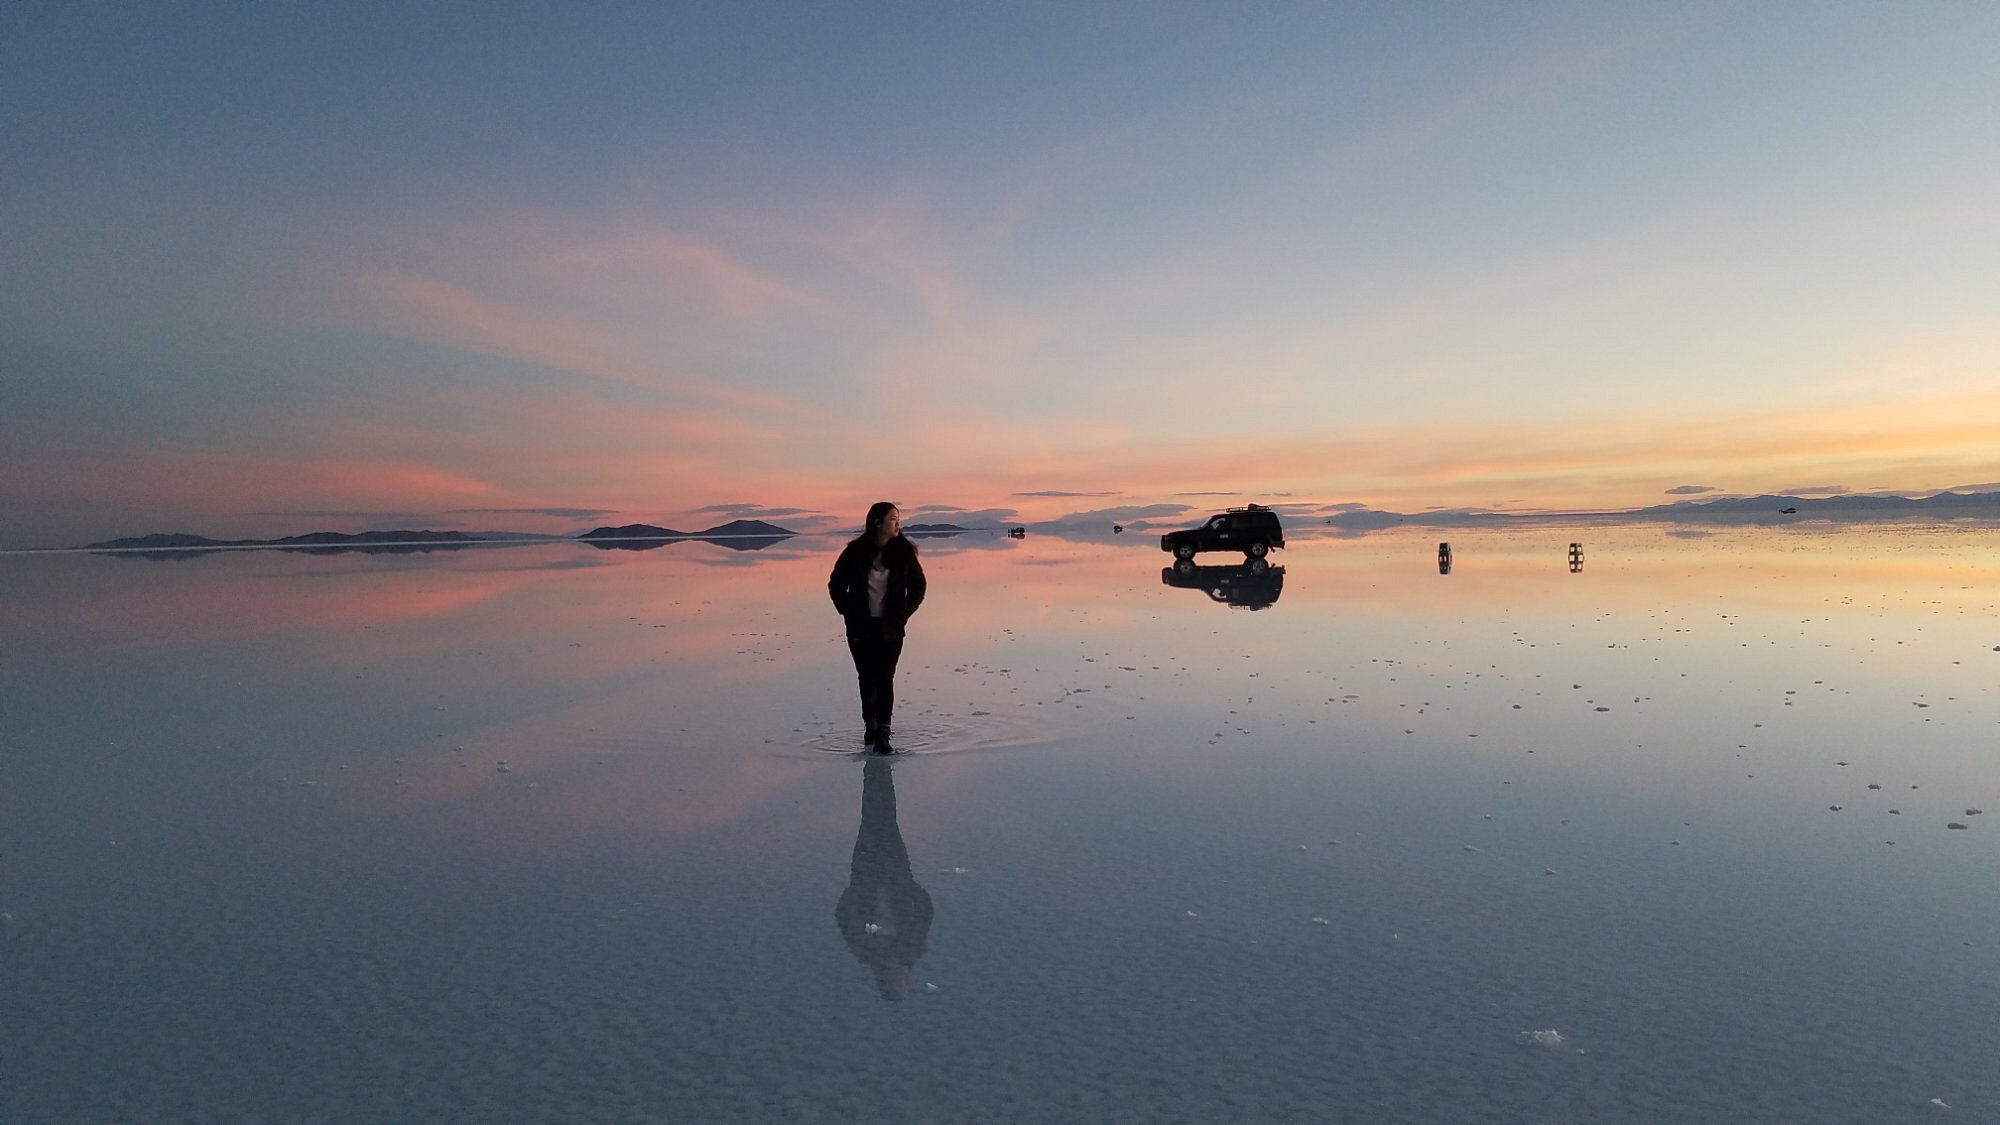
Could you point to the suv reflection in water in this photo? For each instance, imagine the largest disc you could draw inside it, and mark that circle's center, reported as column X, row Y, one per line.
column 1253, row 584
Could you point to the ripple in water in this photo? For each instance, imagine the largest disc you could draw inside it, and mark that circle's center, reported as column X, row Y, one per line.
column 931, row 734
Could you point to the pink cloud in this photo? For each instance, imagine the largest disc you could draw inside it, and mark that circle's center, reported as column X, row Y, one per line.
column 459, row 316
column 641, row 261
column 194, row 484
column 629, row 301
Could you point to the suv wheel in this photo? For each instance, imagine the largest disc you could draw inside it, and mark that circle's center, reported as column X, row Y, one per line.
column 1258, row 549
column 1183, row 550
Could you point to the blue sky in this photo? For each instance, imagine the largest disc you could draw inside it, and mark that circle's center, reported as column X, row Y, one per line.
column 266, row 261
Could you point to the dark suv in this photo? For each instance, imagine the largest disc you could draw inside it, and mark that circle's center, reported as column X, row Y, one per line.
column 1253, row 530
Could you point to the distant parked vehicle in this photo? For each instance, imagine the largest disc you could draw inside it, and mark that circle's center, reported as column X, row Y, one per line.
column 1253, row 530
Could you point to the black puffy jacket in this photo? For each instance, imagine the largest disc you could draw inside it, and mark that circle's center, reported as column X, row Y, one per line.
column 848, row 584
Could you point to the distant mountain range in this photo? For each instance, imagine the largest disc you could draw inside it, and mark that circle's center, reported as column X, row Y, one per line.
column 1856, row 507
column 316, row 540
column 1942, row 503
column 751, row 535
column 740, row 535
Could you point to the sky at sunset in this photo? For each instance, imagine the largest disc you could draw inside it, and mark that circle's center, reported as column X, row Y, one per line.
column 267, row 269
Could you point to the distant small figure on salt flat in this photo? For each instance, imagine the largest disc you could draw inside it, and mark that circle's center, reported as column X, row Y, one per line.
column 876, row 584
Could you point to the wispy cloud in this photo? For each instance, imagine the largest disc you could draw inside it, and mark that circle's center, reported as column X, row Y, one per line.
column 1130, row 513
column 964, row 517
column 753, row 511
column 624, row 299
column 337, row 513
column 226, row 493
column 558, row 513
column 457, row 314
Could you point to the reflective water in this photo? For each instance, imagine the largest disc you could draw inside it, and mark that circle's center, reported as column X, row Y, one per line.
column 549, row 833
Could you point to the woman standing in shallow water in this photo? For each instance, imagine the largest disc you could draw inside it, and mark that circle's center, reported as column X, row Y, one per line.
column 876, row 585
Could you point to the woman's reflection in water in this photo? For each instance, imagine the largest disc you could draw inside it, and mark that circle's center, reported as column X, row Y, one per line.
column 884, row 915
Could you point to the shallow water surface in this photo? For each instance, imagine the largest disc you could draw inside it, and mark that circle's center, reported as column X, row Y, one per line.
column 555, row 833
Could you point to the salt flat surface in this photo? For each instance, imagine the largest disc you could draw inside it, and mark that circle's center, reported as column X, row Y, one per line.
column 554, row 833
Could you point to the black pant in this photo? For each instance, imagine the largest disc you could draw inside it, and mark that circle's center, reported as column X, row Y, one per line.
column 876, row 650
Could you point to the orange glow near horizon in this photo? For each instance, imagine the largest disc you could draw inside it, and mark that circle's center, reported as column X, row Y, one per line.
column 650, row 465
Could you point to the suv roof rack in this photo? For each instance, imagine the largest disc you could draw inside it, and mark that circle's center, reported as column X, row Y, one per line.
column 1252, row 508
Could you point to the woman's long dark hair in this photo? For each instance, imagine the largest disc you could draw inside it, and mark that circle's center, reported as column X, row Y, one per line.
column 877, row 512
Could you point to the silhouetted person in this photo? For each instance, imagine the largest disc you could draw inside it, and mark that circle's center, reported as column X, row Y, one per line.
column 876, row 585
column 884, row 915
